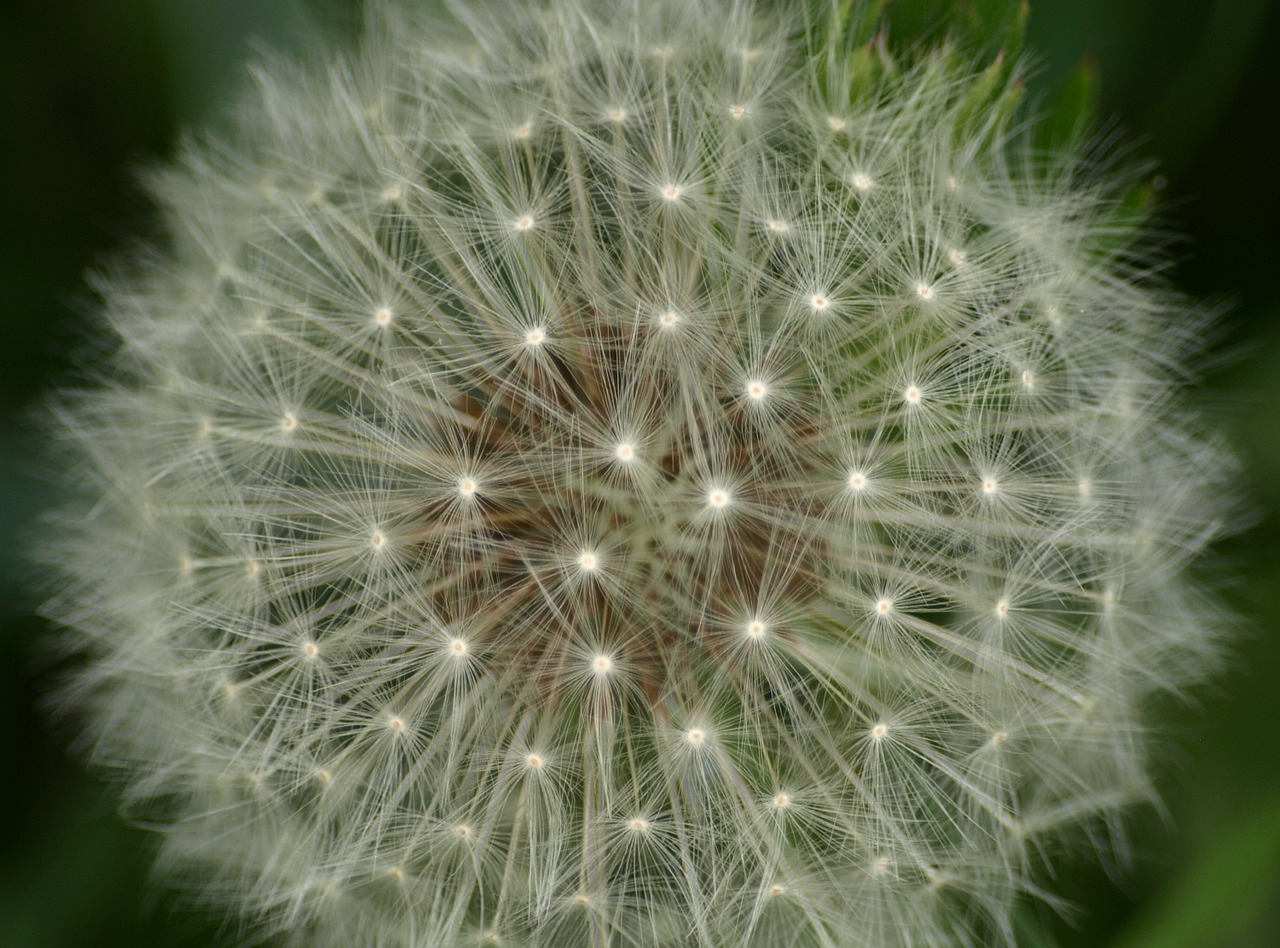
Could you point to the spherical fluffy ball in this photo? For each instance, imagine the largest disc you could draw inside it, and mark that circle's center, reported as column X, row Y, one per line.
column 614, row 474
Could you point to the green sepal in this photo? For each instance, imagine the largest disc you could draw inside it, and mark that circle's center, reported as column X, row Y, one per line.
column 1071, row 112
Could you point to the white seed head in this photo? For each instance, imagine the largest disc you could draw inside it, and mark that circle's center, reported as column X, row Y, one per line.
column 543, row 431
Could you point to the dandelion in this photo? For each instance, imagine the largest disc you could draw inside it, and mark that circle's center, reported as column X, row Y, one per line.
column 585, row 500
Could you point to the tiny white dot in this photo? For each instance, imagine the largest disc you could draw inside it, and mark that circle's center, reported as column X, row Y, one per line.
column 602, row 664
column 289, row 421
column 990, row 485
column 625, row 452
column 1002, row 608
column 672, row 192
column 467, row 487
column 956, row 257
column 396, row 724
column 1028, row 379
column 835, row 123
column 323, row 776
column 396, row 874
column 737, row 111
column 523, row 131
column 695, row 736
column 912, row 395
column 391, row 194
column 880, row 865
column 776, row 890
column 819, row 302
column 463, row 831
column 458, row 647
column 718, row 498
column 756, row 629
column 862, row 182
column 252, row 568
column 310, row 649
column 535, row 336
column 999, row 737
column 884, row 606
column 378, row 540
column 638, row 825
column 879, row 731
column 779, row 226
column 756, row 390
column 383, row 316
column 523, row 223
column 857, row 481
column 581, row 901
column 617, row 115
column 534, row 761
column 588, row 561
column 781, row 801
column 669, row 319
column 1085, row 487
column 952, row 182
column 924, row 291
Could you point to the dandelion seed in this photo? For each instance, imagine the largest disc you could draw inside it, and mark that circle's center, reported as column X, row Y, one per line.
column 588, row 561
column 523, row 131
column 884, row 606
column 737, row 111
column 625, row 452
column 602, row 664
column 468, row 487
column 999, row 737
column 323, row 776
column 1002, row 608
column 1084, row 487
column 252, row 568
column 718, row 498
column 924, row 291
column 781, row 801
column 289, row 422
column 458, row 647
column 861, row 181
column 956, row 257
column 776, row 890
column 617, row 115
column 819, row 302
column 396, row 724
column 310, row 649
column 638, row 825
column 397, row 875
column 392, row 194
column 671, row 193
column 534, row 762
column 756, row 390
column 879, row 732
column 912, row 395
column 989, row 485
column 383, row 316
column 857, row 481
column 535, row 337
column 378, row 540
column 778, row 226
column 669, row 319
column 836, row 123
column 523, row 223
column 695, row 736
column 462, row 831
column 756, row 629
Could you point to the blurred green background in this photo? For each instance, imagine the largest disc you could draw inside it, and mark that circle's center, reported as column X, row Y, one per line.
column 90, row 89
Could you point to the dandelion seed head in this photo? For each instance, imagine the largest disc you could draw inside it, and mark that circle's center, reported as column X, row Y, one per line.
column 620, row 473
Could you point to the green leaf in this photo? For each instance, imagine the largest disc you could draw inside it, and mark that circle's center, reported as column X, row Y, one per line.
column 1218, row 891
